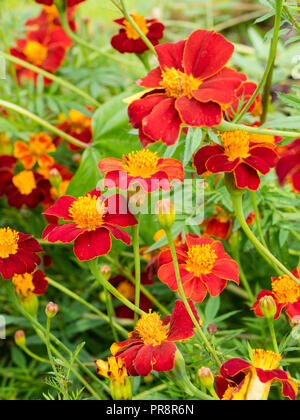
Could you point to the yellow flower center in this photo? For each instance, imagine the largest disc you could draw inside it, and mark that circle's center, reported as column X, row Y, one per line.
column 177, row 84
column 23, row 284
column 285, row 290
column 261, row 138
column 141, row 23
column 9, row 242
column 151, row 330
column 265, row 359
column 25, row 182
column 41, row 143
column 88, row 212
column 35, row 52
column 127, row 290
column 201, row 259
column 142, row 163
column 79, row 121
column 236, row 144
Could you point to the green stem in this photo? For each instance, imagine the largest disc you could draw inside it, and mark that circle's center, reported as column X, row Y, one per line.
column 43, row 123
column 79, row 299
column 136, row 27
column 273, row 334
column 34, row 356
column 293, row 20
column 185, row 301
column 257, row 217
column 271, row 59
column 227, row 126
column 109, row 308
column 50, row 76
column 237, row 200
column 266, row 95
column 90, row 46
column 93, row 265
column 137, row 265
column 295, row 234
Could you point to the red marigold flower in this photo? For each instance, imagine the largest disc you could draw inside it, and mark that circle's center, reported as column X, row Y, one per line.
column 288, row 166
column 18, row 253
column 151, row 346
column 143, row 167
column 239, row 156
column 76, row 125
column 45, row 48
column 129, row 41
column 127, row 289
column 243, row 94
column 70, row 3
column 50, row 16
column 27, row 188
column 91, row 219
column 219, row 225
column 30, row 283
column 286, row 294
column 36, row 151
column 241, row 380
column 204, row 267
column 191, row 86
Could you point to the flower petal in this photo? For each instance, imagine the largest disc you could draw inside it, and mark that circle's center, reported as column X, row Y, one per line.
column 92, row 244
column 198, row 114
column 181, row 324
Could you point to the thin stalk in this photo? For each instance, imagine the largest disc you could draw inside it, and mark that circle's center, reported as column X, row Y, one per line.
column 273, row 334
column 257, row 217
column 237, row 200
column 137, row 265
column 95, row 271
column 185, row 301
column 229, row 126
column 90, row 46
column 43, row 123
column 266, row 95
column 79, row 299
column 295, row 234
column 293, row 20
column 136, row 27
column 34, row 356
column 109, row 308
column 52, row 77
column 271, row 59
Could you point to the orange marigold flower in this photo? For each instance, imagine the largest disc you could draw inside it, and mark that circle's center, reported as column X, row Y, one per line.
column 36, row 151
column 129, row 41
column 241, row 380
column 152, row 345
column 286, row 294
column 18, row 253
column 204, row 267
column 144, row 168
column 77, row 125
column 30, row 283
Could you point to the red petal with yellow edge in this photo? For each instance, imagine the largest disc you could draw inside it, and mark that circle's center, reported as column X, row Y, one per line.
column 139, row 109
column 206, row 53
column 221, row 87
column 293, row 309
column 289, row 389
column 163, row 357
column 170, row 55
column 234, row 366
column 152, row 80
column 61, row 208
column 90, row 245
column 166, row 274
column 246, row 177
column 119, row 234
column 118, row 348
column 172, row 167
column 214, row 284
column 202, row 156
column 197, row 240
column 66, row 233
column 169, row 127
column 144, row 360
column 118, row 212
column 181, row 324
column 286, row 165
column 271, row 375
column 198, row 114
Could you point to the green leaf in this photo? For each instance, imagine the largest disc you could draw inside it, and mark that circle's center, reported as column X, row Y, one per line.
column 212, row 308
column 193, row 142
column 87, row 175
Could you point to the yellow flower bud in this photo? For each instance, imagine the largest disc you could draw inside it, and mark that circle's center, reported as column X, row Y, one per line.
column 165, row 213
column 268, row 306
column 20, row 338
column 206, row 377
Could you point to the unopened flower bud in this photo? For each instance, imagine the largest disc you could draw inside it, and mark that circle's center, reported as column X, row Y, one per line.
column 51, row 310
column 102, row 296
column 55, row 178
column 105, row 271
column 165, row 213
column 268, row 306
column 77, row 158
column 212, row 328
column 30, row 303
column 206, row 377
column 20, row 338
